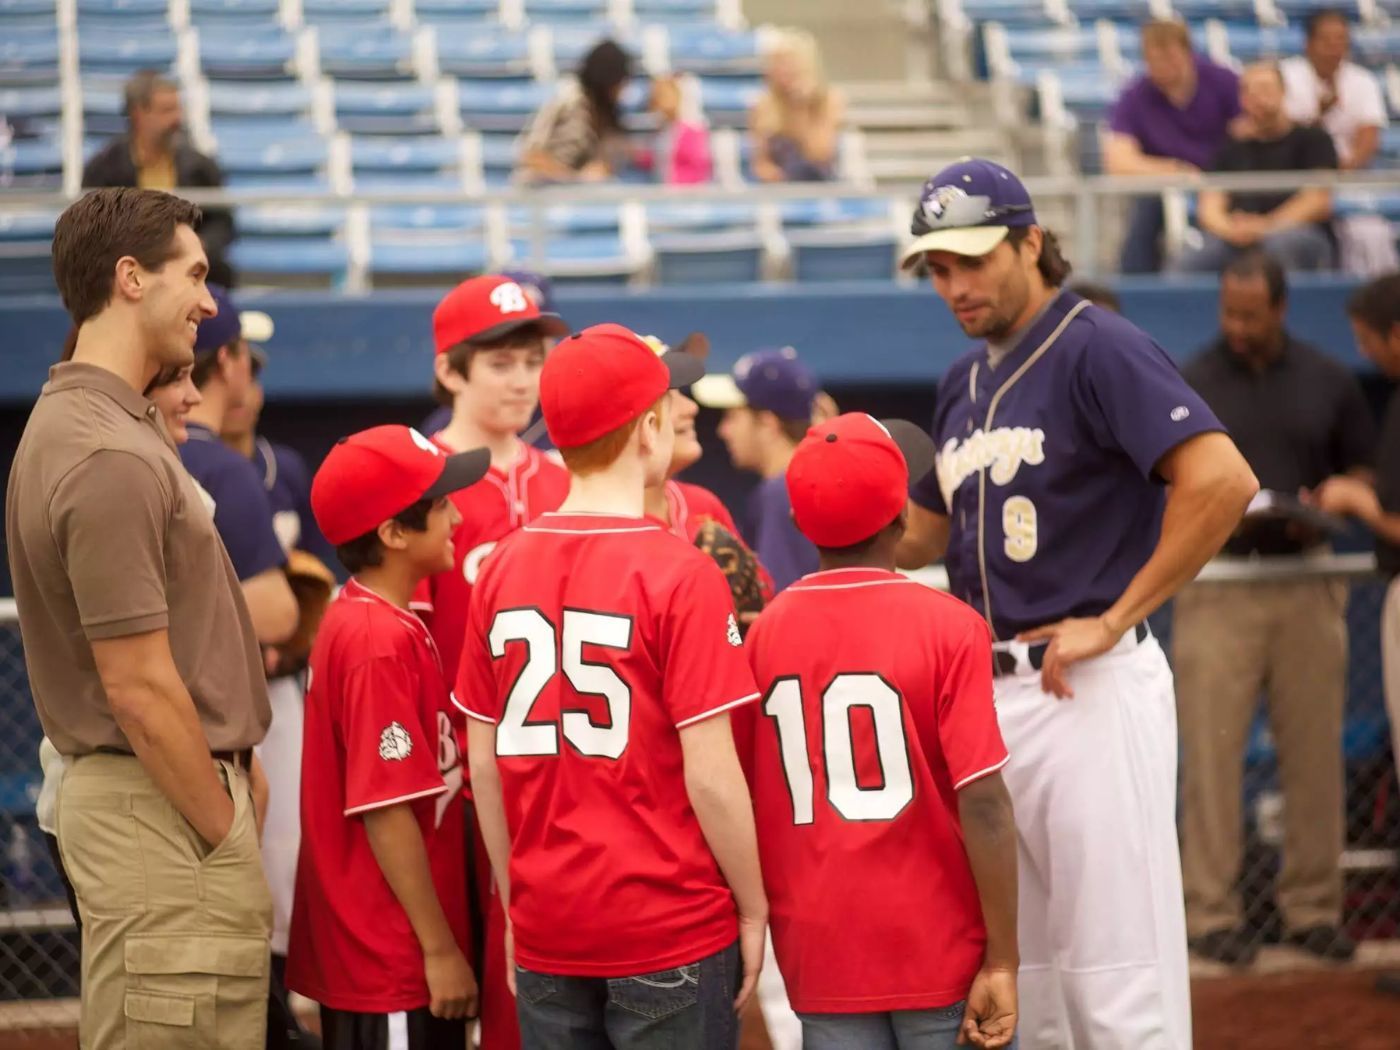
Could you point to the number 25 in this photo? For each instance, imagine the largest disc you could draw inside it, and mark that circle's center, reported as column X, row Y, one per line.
column 516, row 736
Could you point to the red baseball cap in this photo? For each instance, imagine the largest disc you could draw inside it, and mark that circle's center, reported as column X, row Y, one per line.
column 487, row 308
column 373, row 475
column 850, row 476
column 605, row 376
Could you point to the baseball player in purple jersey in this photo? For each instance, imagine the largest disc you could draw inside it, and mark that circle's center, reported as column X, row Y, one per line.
column 1058, row 437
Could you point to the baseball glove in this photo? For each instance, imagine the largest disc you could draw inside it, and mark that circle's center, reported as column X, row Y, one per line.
column 312, row 586
column 739, row 565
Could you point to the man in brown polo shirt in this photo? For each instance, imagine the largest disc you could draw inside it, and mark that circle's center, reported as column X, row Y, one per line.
column 141, row 655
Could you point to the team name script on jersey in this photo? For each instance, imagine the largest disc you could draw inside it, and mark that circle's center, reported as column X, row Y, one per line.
column 1000, row 451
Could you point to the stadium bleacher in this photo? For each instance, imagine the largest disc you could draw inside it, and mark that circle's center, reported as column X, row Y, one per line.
column 365, row 98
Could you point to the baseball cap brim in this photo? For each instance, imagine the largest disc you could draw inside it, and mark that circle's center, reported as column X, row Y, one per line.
column 549, row 324
column 460, row 470
column 686, row 369
column 966, row 240
column 915, row 444
column 718, row 390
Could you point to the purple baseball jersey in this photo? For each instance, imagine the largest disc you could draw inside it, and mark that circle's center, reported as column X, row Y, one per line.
column 1045, row 465
column 242, row 514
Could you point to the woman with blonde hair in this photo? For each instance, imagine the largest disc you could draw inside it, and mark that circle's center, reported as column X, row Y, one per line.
column 795, row 125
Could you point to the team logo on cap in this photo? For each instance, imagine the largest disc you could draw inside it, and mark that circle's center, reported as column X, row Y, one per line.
column 937, row 202
column 423, row 443
column 395, row 744
column 509, row 298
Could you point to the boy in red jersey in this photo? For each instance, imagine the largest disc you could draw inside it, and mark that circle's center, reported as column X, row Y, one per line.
column 602, row 659
column 883, row 823
column 379, row 920
column 490, row 337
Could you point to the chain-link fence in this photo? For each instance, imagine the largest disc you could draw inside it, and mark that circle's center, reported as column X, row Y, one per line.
column 39, row 945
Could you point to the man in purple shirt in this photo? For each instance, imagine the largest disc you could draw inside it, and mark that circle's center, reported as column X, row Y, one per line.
column 767, row 406
column 1171, row 121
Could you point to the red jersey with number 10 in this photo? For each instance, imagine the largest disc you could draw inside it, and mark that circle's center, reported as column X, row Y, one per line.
column 492, row 510
column 378, row 732
column 593, row 641
column 877, row 708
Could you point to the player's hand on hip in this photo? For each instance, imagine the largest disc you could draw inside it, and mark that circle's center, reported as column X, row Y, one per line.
column 451, row 984
column 990, row 1017
column 752, row 935
column 1070, row 641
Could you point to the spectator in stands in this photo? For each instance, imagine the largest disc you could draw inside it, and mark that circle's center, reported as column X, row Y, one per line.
column 1171, row 121
column 1098, row 294
column 1292, row 226
column 154, row 154
column 1322, row 87
column 682, row 147
column 142, row 664
column 578, row 136
column 1301, row 421
column 795, row 125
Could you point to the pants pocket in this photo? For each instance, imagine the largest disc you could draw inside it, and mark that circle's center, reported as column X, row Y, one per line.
column 533, row 987
column 657, row 995
column 195, row 989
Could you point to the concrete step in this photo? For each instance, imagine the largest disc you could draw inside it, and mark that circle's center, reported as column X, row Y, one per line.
column 875, row 92
column 914, row 115
column 891, row 144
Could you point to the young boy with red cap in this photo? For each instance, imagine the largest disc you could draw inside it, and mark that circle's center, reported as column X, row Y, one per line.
column 379, row 920
column 490, row 336
column 601, row 661
column 883, row 823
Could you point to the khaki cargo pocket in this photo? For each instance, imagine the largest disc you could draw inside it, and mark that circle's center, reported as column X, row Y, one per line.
column 195, row 989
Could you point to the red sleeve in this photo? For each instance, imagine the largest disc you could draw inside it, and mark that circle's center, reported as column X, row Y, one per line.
column 967, row 719
column 390, row 756
column 476, row 692
column 702, row 654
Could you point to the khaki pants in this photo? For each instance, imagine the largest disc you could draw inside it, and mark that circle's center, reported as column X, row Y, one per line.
column 1232, row 641
column 175, row 935
column 1390, row 661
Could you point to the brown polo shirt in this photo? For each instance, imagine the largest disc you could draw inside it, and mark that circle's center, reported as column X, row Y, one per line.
column 108, row 537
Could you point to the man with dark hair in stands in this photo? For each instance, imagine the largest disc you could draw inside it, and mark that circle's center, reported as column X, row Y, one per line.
column 1322, row 87
column 154, row 154
column 1098, row 294
column 1288, row 636
column 1292, row 225
column 1170, row 121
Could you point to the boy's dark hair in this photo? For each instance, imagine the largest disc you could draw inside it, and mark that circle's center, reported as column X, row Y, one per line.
column 367, row 551
column 1255, row 262
column 459, row 358
column 1376, row 304
column 99, row 228
column 1051, row 263
column 1314, row 21
column 207, row 363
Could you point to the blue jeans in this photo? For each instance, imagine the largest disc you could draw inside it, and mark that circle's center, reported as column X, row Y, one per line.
column 1307, row 247
column 686, row 1008
column 1142, row 247
column 896, row 1030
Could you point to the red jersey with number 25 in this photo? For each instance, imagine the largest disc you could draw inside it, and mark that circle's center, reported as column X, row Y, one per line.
column 378, row 732
column 877, row 708
column 593, row 641
column 500, row 504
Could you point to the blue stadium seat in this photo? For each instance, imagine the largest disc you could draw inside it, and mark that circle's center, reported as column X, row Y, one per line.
column 1248, row 43
column 1007, row 12
column 506, row 106
column 249, row 132
column 713, row 50
column 1297, row 10
column 833, row 211
column 385, row 109
column 39, row 106
column 1034, row 50
column 423, row 162
column 701, row 216
column 330, row 12
column 247, row 51
column 1364, row 202
column 425, row 220
column 279, row 257
column 683, row 11
column 708, row 257
column 456, row 12
column 292, row 221
column 26, row 253
column 31, row 164
column 1228, row 10
column 548, row 11
column 1375, row 46
column 499, row 154
column 1388, row 156
column 726, row 100
column 33, row 226
column 28, row 55
column 568, row 219
column 272, row 101
column 820, row 255
column 122, row 13
column 599, row 256
column 1130, row 40
column 287, row 162
column 571, row 42
column 26, row 13
column 483, row 51
column 368, row 50
column 107, row 51
column 456, row 255
column 1087, row 11
column 234, row 12
column 103, row 111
